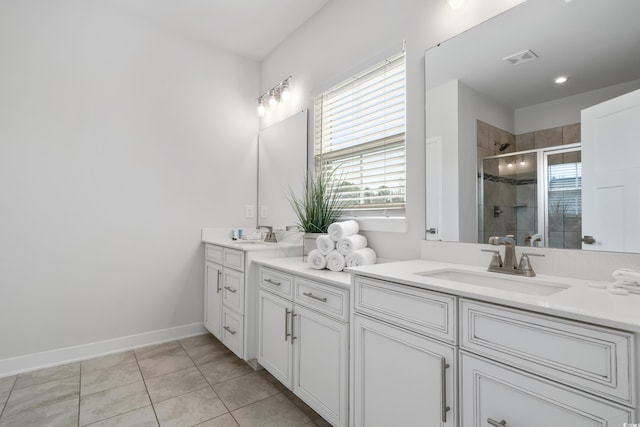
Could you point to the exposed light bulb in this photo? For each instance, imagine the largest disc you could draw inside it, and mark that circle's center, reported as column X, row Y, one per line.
column 272, row 99
column 285, row 93
column 455, row 4
column 261, row 107
column 522, row 162
column 561, row 79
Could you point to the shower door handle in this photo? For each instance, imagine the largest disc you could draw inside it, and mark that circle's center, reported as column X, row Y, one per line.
column 432, row 230
column 588, row 240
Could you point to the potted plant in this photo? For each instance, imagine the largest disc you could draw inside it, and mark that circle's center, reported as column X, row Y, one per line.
column 317, row 206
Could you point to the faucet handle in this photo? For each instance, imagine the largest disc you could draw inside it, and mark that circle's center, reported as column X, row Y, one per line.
column 496, row 259
column 525, row 264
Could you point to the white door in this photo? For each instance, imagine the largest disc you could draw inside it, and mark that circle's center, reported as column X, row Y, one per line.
column 274, row 336
column 401, row 378
column 213, row 298
column 611, row 174
column 321, row 363
column 494, row 395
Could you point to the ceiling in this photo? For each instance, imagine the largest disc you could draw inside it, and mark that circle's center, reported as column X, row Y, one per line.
column 251, row 28
column 595, row 42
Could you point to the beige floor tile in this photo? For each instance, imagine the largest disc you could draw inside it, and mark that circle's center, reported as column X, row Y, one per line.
column 114, row 376
column 189, row 409
column 143, row 417
column 6, row 384
column 224, row 369
column 244, row 390
column 225, row 420
column 273, row 380
column 306, row 409
column 59, row 414
column 198, row 340
column 165, row 362
column 34, row 397
column 109, row 403
column 175, row 384
column 107, row 361
column 156, row 349
column 45, row 375
column 208, row 353
column 274, row 411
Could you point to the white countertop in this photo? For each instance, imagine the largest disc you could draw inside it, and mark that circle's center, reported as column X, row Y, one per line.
column 579, row 302
column 251, row 245
column 295, row 265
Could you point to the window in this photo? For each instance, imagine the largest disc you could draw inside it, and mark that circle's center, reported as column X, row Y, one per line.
column 359, row 137
column 565, row 188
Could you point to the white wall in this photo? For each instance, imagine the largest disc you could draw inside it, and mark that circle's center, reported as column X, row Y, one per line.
column 347, row 35
column 119, row 141
column 566, row 111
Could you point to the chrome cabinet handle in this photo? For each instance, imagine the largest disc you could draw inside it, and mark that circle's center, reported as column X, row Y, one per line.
column 230, row 289
column 228, row 329
column 272, row 282
column 310, row 295
column 494, row 423
column 443, row 369
column 286, row 324
column 218, row 283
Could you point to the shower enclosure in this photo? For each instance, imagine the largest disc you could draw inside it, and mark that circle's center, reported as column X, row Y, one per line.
column 534, row 195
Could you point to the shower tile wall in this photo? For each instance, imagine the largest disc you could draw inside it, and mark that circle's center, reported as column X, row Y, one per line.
column 518, row 199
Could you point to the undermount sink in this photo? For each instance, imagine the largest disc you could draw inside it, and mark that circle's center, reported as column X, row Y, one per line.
column 518, row 284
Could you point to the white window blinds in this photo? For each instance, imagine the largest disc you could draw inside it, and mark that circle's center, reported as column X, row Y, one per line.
column 359, row 136
column 565, row 188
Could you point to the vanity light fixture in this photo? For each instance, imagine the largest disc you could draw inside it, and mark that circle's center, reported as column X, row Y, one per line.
column 278, row 93
column 561, row 79
column 455, row 4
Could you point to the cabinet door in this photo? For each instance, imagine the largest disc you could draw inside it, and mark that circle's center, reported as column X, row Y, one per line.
column 274, row 336
column 401, row 378
column 213, row 298
column 495, row 395
column 320, row 360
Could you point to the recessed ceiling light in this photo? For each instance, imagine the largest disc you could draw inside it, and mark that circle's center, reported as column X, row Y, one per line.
column 561, row 79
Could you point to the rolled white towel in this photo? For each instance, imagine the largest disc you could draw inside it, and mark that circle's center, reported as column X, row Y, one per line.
column 325, row 244
column 335, row 261
column 338, row 230
column 364, row 256
column 316, row 260
column 627, row 275
column 348, row 244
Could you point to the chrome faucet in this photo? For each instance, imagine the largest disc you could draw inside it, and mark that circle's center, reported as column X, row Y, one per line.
column 271, row 236
column 509, row 266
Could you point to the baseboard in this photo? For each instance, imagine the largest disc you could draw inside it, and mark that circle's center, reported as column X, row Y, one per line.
column 61, row 356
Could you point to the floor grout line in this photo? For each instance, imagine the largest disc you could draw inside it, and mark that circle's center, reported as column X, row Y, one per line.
column 153, row 408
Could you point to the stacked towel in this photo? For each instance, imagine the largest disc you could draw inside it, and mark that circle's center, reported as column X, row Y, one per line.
column 339, row 230
column 316, row 260
column 364, row 256
column 325, row 244
column 627, row 279
column 335, row 261
column 348, row 244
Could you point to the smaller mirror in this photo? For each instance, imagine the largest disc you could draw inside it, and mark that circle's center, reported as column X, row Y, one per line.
column 282, row 165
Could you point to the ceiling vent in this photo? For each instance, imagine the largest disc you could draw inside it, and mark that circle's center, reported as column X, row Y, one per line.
column 521, row 57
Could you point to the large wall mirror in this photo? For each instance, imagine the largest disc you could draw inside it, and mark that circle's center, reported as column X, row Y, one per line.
column 510, row 151
column 282, row 166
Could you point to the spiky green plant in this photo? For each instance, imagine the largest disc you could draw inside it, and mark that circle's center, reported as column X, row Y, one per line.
column 319, row 205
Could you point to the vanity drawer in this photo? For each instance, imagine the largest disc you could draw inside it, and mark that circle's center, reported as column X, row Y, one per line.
column 233, row 289
column 592, row 358
column 232, row 331
column 214, row 253
column 327, row 299
column 425, row 312
column 234, row 258
column 276, row 282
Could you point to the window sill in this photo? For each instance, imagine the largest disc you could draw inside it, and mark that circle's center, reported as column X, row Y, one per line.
column 392, row 224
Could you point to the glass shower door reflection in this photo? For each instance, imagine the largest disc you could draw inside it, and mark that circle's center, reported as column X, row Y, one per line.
column 564, row 199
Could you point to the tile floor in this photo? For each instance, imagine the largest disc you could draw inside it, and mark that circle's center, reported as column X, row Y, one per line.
column 196, row 381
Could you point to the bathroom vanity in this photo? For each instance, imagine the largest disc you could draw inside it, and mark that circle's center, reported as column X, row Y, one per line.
column 468, row 352
column 230, row 299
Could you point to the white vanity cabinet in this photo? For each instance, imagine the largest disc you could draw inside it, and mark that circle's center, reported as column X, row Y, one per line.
column 404, row 356
column 524, row 369
column 303, row 340
column 224, row 296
